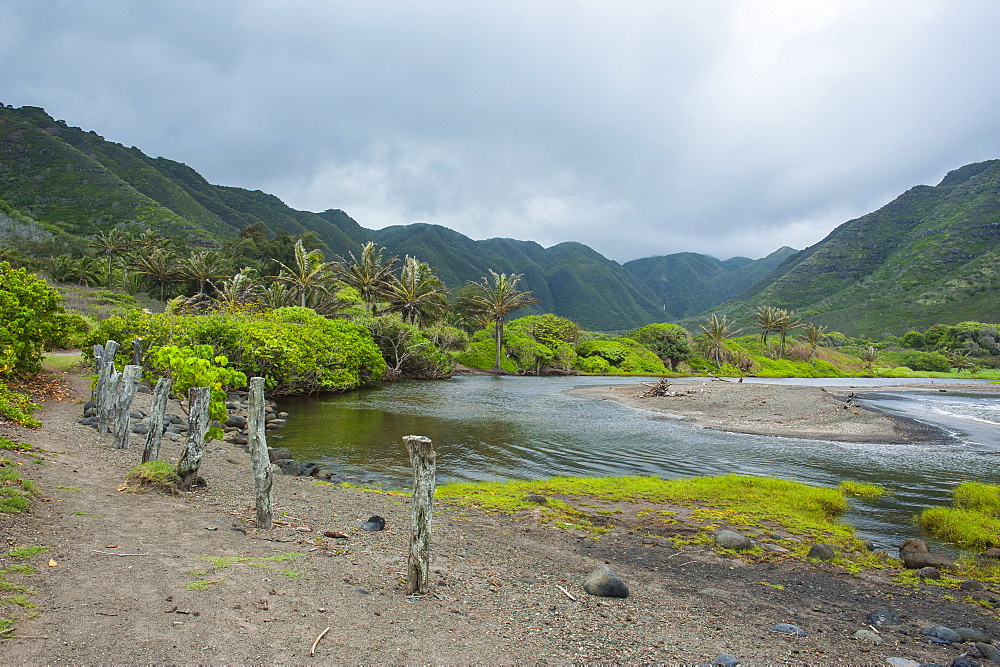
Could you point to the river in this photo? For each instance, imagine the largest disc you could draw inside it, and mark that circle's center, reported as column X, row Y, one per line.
column 494, row 428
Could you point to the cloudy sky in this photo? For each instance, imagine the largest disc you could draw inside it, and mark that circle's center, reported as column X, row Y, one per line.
column 639, row 128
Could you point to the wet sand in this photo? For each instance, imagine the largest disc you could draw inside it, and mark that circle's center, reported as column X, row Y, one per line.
column 781, row 410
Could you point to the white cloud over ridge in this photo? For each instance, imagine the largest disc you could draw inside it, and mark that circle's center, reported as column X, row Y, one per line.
column 729, row 128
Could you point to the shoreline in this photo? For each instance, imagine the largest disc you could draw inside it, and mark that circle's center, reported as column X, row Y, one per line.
column 784, row 410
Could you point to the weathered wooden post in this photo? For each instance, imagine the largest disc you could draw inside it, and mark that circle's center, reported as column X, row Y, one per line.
column 98, row 365
column 262, row 479
column 187, row 468
column 137, row 352
column 422, row 459
column 123, row 404
column 157, row 412
column 106, row 383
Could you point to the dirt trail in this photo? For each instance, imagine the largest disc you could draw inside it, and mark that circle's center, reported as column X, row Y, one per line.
column 135, row 579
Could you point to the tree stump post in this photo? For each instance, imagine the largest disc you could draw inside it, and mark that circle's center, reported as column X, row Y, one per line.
column 98, row 365
column 106, row 383
column 127, row 387
column 187, row 468
column 262, row 476
column 157, row 412
column 137, row 352
column 422, row 459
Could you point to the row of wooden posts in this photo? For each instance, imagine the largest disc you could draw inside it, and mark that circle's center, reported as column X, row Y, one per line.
column 115, row 392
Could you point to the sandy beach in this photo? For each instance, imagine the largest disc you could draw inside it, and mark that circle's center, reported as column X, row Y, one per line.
column 781, row 410
column 148, row 578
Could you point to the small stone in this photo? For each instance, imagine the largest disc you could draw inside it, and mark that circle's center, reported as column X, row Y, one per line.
column 530, row 580
column 728, row 539
column 822, row 552
column 884, row 616
column 725, row 660
column 233, row 460
column 535, row 498
column 990, row 651
column 303, row 529
column 962, row 661
column 773, row 548
column 973, row 635
column 373, row 524
column 603, row 582
column 928, row 573
column 993, row 553
column 136, row 414
column 972, row 585
column 868, row 545
column 276, row 453
column 902, row 662
column 645, row 619
column 916, row 560
column 789, row 629
column 236, row 421
column 282, row 415
column 946, row 635
column 868, row 636
column 914, row 545
column 140, row 429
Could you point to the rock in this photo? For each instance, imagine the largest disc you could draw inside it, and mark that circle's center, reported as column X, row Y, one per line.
column 868, row 636
column 335, row 534
column 972, row 585
column 324, row 475
column 90, row 412
column 236, row 421
column 273, row 425
column 821, row 551
column 91, row 404
column 915, row 560
column 282, row 415
column 989, row 651
column 303, row 529
column 928, row 573
column 535, row 498
column 962, row 661
column 884, row 616
column 725, row 660
column 728, row 539
column 993, row 553
column 973, row 635
column 913, row 545
column 310, row 468
column 136, row 414
column 902, row 662
column 773, row 548
column 238, row 439
column 140, row 429
column 946, row 635
column 173, row 419
column 603, row 582
column 277, row 453
column 289, row 467
column 789, row 629
column 87, row 421
column 868, row 545
column 373, row 524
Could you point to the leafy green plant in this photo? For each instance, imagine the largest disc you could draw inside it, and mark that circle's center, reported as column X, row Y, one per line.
column 157, row 475
column 861, row 489
column 670, row 342
column 30, row 318
column 199, row 366
column 972, row 522
column 17, row 407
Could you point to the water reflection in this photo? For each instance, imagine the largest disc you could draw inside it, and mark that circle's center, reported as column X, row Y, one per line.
column 487, row 428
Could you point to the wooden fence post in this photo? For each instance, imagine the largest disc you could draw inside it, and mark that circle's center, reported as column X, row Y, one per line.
column 187, row 468
column 137, row 352
column 98, row 365
column 106, row 383
column 422, row 459
column 123, row 404
column 157, row 412
column 262, row 477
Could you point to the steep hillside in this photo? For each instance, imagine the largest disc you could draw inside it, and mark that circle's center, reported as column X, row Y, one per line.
column 688, row 283
column 931, row 255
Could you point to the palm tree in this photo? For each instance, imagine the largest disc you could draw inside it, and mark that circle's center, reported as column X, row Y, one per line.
column 767, row 317
column 784, row 323
column 368, row 274
column 869, row 356
column 418, row 295
column 309, row 275
column 959, row 360
column 813, row 338
column 717, row 332
column 204, row 267
column 493, row 300
column 236, row 293
column 160, row 265
column 113, row 245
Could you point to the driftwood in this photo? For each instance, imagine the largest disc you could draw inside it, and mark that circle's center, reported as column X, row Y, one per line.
column 157, row 412
column 422, row 459
column 262, row 476
column 123, row 404
column 106, row 382
column 187, row 468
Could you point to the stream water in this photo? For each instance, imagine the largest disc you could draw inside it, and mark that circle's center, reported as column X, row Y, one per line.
column 489, row 428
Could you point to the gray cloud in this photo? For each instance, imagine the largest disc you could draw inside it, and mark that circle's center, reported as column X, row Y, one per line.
column 638, row 128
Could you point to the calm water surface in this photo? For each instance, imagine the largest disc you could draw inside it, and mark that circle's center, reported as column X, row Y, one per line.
column 489, row 428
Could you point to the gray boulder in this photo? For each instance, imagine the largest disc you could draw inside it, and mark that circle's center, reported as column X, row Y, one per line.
column 868, row 636
column 884, row 616
column 990, row 651
column 603, row 582
column 913, row 545
column 728, row 539
column 789, row 629
column 277, row 453
column 942, row 633
column 928, row 573
column 973, row 635
column 822, row 552
column 916, row 560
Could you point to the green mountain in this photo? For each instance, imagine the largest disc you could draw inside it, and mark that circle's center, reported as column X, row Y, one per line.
column 56, row 179
column 688, row 283
column 930, row 256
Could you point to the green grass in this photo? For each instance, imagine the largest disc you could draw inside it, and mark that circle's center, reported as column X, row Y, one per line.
column 71, row 489
column 861, row 490
column 13, row 445
column 972, row 522
column 15, row 490
column 217, row 563
column 12, row 606
column 61, row 362
column 154, row 475
column 27, row 552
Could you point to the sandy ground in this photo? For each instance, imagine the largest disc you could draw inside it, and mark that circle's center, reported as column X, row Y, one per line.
column 148, row 578
column 783, row 410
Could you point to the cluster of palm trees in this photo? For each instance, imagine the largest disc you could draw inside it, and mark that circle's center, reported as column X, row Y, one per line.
column 771, row 320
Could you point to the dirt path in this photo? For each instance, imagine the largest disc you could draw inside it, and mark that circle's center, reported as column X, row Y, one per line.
column 153, row 579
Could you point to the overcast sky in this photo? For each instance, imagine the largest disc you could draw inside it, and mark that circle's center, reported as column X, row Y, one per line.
column 638, row 128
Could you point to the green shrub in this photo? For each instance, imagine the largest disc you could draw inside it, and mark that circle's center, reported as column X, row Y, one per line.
column 596, row 365
column 30, row 319
column 922, row 361
column 972, row 522
column 670, row 342
column 482, row 353
column 17, row 407
column 294, row 349
column 407, row 351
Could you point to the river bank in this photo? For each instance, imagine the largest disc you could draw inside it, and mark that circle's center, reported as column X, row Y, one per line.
column 142, row 577
column 798, row 411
